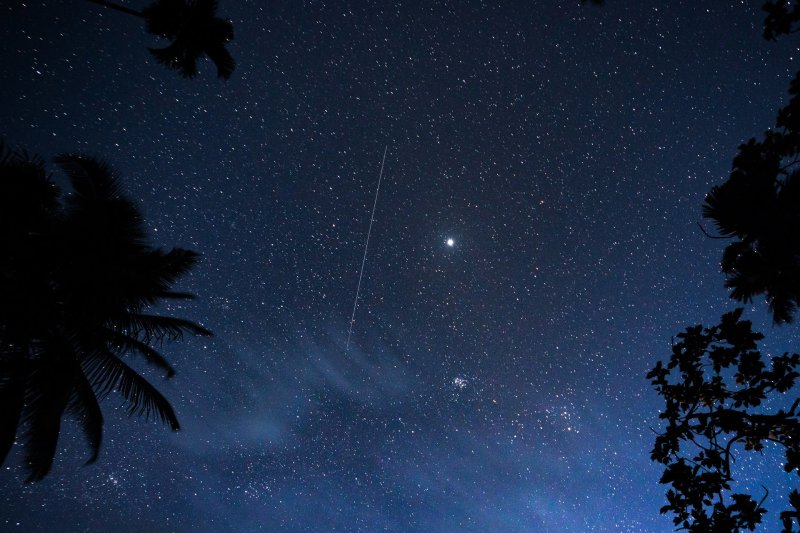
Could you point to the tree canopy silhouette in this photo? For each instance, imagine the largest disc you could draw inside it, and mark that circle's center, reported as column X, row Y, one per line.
column 77, row 278
column 759, row 206
column 717, row 388
column 716, row 385
column 193, row 28
column 782, row 18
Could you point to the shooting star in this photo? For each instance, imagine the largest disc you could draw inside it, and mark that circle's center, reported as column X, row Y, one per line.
column 366, row 246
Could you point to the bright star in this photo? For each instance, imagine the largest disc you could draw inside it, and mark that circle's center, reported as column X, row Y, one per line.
column 451, row 243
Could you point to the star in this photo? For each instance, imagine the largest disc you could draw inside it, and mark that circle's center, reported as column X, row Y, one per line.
column 451, row 242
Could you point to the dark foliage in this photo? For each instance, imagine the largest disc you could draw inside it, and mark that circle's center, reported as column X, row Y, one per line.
column 716, row 386
column 782, row 18
column 759, row 206
column 193, row 28
column 76, row 280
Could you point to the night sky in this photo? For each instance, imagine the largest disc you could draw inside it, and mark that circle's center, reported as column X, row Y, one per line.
column 497, row 384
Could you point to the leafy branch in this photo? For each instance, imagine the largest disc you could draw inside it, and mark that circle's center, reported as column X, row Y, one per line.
column 715, row 386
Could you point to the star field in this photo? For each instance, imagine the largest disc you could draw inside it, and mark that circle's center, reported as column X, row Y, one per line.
column 534, row 250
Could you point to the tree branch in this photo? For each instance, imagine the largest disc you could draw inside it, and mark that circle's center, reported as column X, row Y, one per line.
column 698, row 224
column 118, row 7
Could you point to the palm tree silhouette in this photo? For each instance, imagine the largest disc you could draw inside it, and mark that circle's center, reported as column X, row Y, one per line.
column 193, row 28
column 76, row 281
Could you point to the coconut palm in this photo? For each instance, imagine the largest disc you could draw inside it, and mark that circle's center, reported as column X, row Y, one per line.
column 76, row 282
column 193, row 28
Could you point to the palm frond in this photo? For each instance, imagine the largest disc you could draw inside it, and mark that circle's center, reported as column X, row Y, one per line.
column 165, row 17
column 90, row 177
column 223, row 60
column 50, row 386
column 126, row 343
column 716, row 210
column 204, row 9
column 219, row 30
column 172, row 265
column 136, row 279
column 176, row 295
column 176, row 57
column 746, row 280
column 75, row 287
column 782, row 305
column 737, row 208
column 789, row 199
column 155, row 272
column 106, row 372
column 12, row 396
column 102, row 225
column 28, row 197
column 117, row 7
column 83, row 405
column 195, row 30
column 733, row 254
column 155, row 327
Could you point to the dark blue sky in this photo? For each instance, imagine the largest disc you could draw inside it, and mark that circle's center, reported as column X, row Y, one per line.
column 496, row 385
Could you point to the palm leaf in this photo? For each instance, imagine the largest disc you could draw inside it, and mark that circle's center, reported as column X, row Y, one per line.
column 746, row 279
column 170, row 266
column 12, row 395
column 102, row 225
column 177, row 57
column 223, row 60
column 733, row 254
column 147, row 278
column 50, row 386
column 176, row 295
column 737, row 207
column 27, row 194
column 164, row 17
column 117, row 7
column 194, row 29
column 127, row 343
column 217, row 34
column 782, row 305
column 106, row 372
column 90, row 177
column 83, row 404
column 158, row 327
column 204, row 9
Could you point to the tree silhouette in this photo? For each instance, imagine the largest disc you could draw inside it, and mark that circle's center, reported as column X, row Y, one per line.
column 716, row 403
column 720, row 398
column 193, row 28
column 759, row 206
column 782, row 19
column 76, row 281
